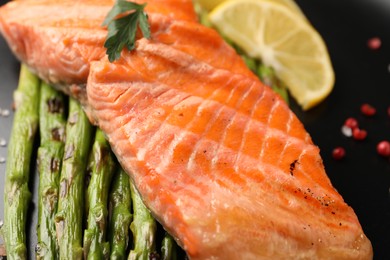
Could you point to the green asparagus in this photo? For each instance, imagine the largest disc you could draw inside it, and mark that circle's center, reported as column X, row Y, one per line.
column 120, row 215
column 68, row 219
column 49, row 166
column 52, row 121
column 168, row 248
column 17, row 195
column 202, row 15
column 250, row 63
column 101, row 166
column 52, row 132
column 267, row 75
column 143, row 228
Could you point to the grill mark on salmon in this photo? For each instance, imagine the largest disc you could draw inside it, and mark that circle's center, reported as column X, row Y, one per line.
column 287, row 191
column 172, row 118
column 232, row 136
column 199, row 92
column 158, row 133
column 206, row 103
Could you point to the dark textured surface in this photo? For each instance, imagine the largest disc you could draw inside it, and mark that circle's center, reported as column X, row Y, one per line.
column 362, row 75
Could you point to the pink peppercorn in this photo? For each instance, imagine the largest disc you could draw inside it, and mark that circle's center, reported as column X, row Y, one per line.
column 338, row 153
column 351, row 123
column 374, row 43
column 359, row 134
column 367, row 110
column 383, row 148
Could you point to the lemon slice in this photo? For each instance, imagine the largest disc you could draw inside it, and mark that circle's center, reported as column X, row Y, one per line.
column 211, row 4
column 282, row 40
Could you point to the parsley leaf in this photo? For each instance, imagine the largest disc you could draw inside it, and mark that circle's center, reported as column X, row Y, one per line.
column 122, row 22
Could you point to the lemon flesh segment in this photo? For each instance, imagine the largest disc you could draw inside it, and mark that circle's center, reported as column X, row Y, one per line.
column 290, row 4
column 283, row 40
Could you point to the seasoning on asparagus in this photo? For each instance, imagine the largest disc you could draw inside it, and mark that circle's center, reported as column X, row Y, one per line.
column 52, row 124
column 120, row 215
column 69, row 217
column 168, row 248
column 52, row 121
column 143, row 228
column 17, row 195
column 101, row 166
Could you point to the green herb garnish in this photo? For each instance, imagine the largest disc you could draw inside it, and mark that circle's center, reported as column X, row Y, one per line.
column 123, row 21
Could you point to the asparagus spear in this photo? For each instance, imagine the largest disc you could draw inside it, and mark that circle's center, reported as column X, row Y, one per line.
column 68, row 219
column 52, row 120
column 267, row 75
column 17, row 195
column 52, row 132
column 120, row 219
column 144, row 229
column 250, row 63
column 168, row 248
column 49, row 166
column 202, row 15
column 101, row 166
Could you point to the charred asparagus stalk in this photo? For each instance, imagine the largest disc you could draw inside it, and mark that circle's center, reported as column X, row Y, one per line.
column 143, row 228
column 52, row 121
column 68, row 219
column 17, row 195
column 52, row 131
column 49, row 166
column 168, row 248
column 101, row 166
column 120, row 215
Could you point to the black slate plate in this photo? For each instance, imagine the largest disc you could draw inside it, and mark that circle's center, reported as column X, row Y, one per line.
column 362, row 76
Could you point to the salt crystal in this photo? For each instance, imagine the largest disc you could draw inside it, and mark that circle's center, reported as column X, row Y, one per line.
column 347, row 131
column 3, row 142
column 5, row 112
column 2, row 160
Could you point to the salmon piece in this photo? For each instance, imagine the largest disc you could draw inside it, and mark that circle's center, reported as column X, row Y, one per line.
column 71, row 33
column 220, row 159
column 198, row 41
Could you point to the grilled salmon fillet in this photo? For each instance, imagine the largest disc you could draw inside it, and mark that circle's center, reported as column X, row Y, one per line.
column 219, row 159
